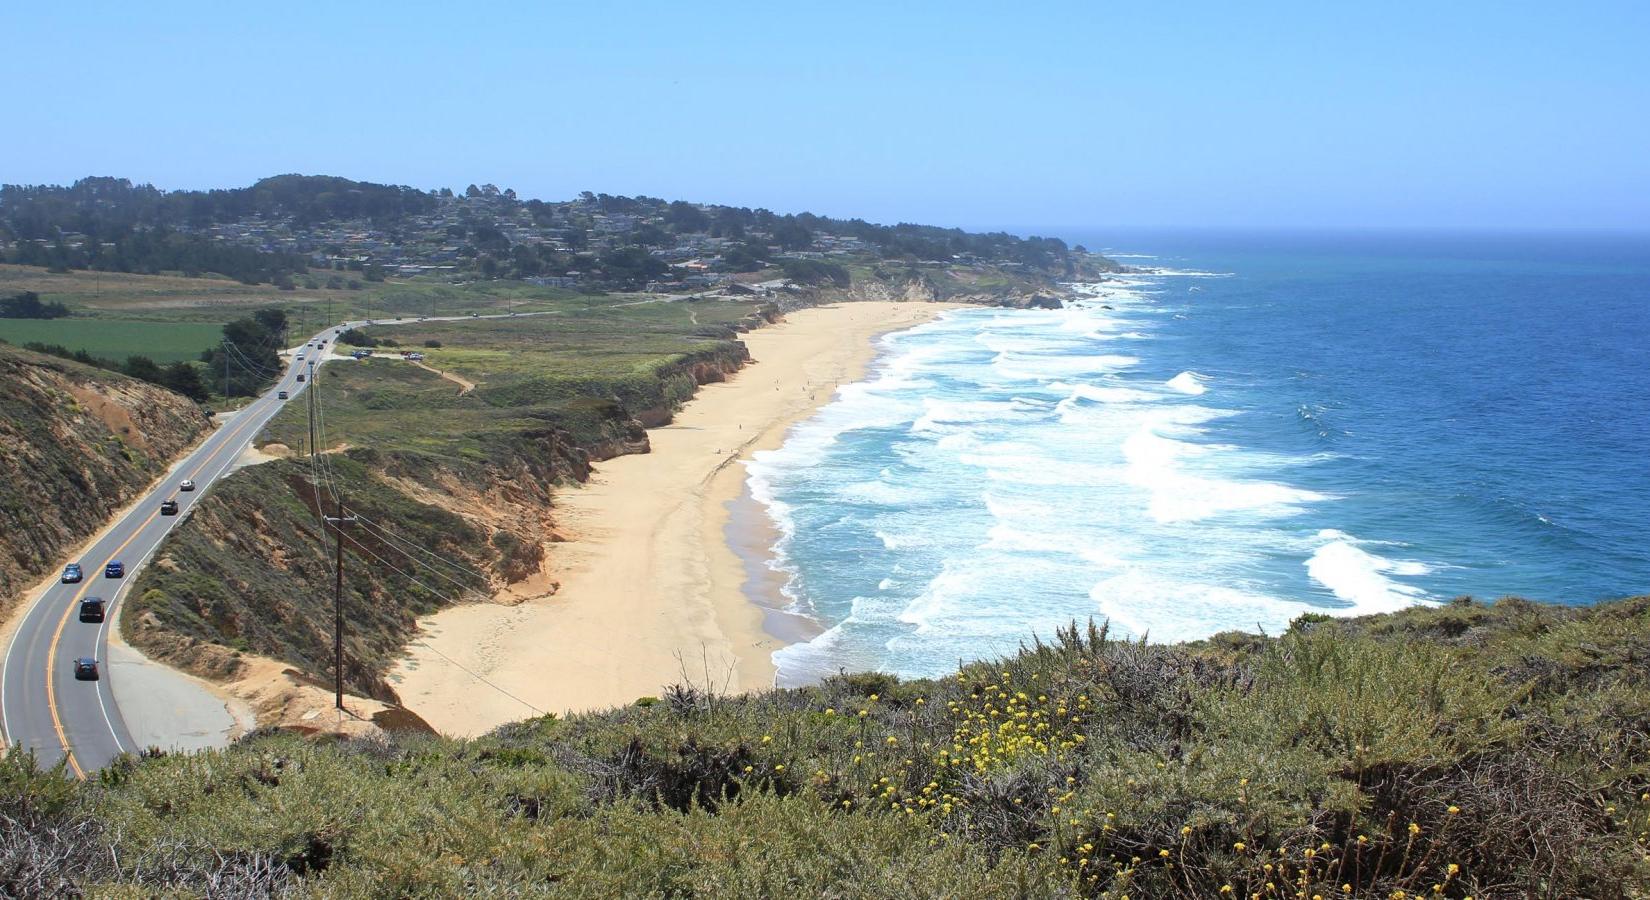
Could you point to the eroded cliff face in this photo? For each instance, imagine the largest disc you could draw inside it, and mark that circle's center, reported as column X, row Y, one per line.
column 76, row 444
column 247, row 576
column 682, row 379
column 923, row 290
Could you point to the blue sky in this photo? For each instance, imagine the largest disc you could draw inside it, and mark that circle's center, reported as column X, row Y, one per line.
column 1268, row 114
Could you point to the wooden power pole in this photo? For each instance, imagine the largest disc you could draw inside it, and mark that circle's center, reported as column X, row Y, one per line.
column 338, row 522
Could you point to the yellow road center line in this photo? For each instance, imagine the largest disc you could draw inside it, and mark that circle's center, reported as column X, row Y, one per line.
column 51, row 653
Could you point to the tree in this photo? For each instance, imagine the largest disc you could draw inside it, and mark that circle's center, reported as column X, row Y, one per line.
column 186, row 380
column 631, row 266
column 27, row 305
column 791, row 235
column 248, row 353
column 273, row 320
column 142, row 368
column 355, row 337
column 684, row 217
column 815, row 271
column 649, row 236
column 746, row 257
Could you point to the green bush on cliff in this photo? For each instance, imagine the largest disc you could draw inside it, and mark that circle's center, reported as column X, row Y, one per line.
column 1458, row 751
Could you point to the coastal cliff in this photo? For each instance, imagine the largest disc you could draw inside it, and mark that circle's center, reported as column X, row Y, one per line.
column 447, row 516
column 982, row 285
column 76, row 443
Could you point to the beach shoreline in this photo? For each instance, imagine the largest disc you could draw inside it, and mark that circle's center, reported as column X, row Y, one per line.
column 656, row 579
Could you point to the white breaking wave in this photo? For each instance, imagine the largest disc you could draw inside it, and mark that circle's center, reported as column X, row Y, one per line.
column 1183, row 273
column 1157, row 464
column 1363, row 579
column 1014, row 472
column 1188, row 383
column 1165, row 609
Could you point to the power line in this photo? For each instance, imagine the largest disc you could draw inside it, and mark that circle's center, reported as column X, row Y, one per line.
column 381, row 530
column 477, row 676
column 338, row 522
column 248, row 364
column 322, row 472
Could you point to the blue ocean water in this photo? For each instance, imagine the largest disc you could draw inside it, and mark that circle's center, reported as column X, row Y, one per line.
column 1249, row 428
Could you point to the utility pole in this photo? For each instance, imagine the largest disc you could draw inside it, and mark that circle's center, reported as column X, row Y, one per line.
column 309, row 395
column 338, row 522
column 225, row 349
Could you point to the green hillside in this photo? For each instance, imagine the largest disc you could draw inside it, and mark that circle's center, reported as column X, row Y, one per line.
column 1467, row 750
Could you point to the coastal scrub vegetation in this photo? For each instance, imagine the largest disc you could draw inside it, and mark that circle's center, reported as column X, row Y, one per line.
column 1465, row 750
column 75, row 441
column 456, row 456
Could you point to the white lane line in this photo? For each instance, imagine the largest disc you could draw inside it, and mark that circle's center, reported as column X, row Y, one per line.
column 106, row 697
column 330, row 334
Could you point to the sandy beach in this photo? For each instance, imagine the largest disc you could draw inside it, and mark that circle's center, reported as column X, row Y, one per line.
column 650, row 592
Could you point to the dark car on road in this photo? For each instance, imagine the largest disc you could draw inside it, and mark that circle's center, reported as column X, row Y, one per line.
column 168, row 507
column 115, row 569
column 186, row 485
column 91, row 609
column 85, row 669
column 300, row 376
column 72, row 573
column 280, row 395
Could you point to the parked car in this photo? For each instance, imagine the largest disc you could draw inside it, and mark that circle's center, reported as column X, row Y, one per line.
column 115, row 569
column 168, row 507
column 91, row 609
column 85, row 669
column 72, row 573
column 186, row 485
column 280, row 395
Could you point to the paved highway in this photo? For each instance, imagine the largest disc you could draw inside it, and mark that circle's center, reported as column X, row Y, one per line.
column 43, row 707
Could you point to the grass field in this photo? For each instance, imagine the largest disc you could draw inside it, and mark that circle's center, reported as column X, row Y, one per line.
column 563, row 367
column 163, row 342
column 175, row 298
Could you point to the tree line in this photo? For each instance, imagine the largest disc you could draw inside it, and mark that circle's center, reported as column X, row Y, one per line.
column 151, row 251
column 27, row 305
column 102, row 206
column 181, row 377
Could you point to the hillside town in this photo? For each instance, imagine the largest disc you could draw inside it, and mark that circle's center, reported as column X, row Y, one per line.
column 301, row 228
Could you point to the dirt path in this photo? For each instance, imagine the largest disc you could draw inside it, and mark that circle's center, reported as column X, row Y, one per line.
column 464, row 387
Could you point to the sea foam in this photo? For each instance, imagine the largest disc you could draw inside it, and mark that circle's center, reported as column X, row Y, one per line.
column 1006, row 472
